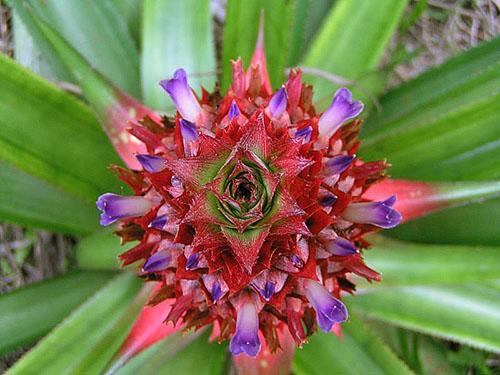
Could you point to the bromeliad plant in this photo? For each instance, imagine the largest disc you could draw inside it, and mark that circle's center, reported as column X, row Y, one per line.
column 249, row 208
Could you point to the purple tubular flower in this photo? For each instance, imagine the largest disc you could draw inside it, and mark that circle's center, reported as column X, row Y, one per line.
column 114, row 207
column 327, row 200
column 340, row 246
column 246, row 338
column 337, row 164
column 192, row 261
column 216, row 292
column 157, row 262
column 150, row 163
column 341, row 110
column 158, row 222
column 380, row 214
column 190, row 136
column 181, row 94
column 304, row 133
column 234, row 111
column 329, row 310
column 277, row 104
column 268, row 290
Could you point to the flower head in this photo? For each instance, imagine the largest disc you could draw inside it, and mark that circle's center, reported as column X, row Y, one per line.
column 250, row 208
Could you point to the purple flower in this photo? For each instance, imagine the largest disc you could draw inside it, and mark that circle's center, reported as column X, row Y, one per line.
column 157, row 262
column 337, row 164
column 192, row 261
column 158, row 222
column 329, row 310
column 380, row 214
column 268, row 290
column 216, row 292
column 189, row 136
column 327, row 200
column 234, row 111
column 183, row 97
column 340, row 246
column 150, row 163
column 277, row 104
column 341, row 110
column 114, row 207
column 246, row 339
column 304, row 133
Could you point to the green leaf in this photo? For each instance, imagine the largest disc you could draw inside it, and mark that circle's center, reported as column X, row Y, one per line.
column 96, row 30
column 51, row 135
column 351, row 44
column 27, row 53
column 409, row 264
column 442, row 126
column 86, row 340
column 181, row 355
column 307, row 18
column 240, row 36
column 100, row 250
column 356, row 352
column 468, row 314
column 29, row 201
column 30, row 312
column 176, row 34
column 475, row 224
column 131, row 11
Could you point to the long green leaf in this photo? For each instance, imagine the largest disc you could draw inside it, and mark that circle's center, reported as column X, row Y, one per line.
column 357, row 352
column 403, row 263
column 351, row 44
column 442, row 126
column 96, row 30
column 100, row 251
column 176, row 34
column 49, row 134
column 469, row 314
column 180, row 355
column 29, row 201
column 308, row 16
column 475, row 224
column 88, row 338
column 30, row 312
column 240, row 35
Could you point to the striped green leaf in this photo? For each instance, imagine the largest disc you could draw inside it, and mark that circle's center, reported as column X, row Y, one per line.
column 49, row 134
column 355, row 353
column 443, row 125
column 351, row 44
column 176, row 34
column 240, row 35
column 86, row 340
column 468, row 314
column 30, row 312
column 95, row 29
column 403, row 263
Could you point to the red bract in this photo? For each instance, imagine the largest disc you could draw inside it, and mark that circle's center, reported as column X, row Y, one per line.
column 250, row 208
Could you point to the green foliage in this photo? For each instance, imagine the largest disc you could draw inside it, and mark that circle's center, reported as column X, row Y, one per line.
column 403, row 263
column 355, row 353
column 100, row 250
column 475, row 224
column 241, row 30
column 91, row 335
column 182, row 355
column 442, row 126
column 34, row 310
column 469, row 314
column 351, row 44
column 176, row 34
